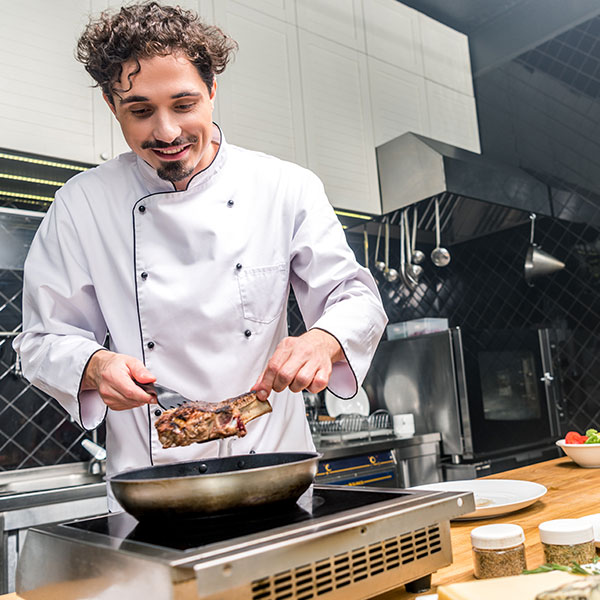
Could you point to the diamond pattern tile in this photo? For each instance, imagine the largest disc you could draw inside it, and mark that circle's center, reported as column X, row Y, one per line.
column 572, row 57
column 29, row 419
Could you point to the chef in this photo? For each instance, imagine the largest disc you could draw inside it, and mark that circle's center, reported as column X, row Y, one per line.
column 173, row 262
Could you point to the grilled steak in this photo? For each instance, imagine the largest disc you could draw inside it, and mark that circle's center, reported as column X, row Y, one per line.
column 203, row 421
column 586, row 589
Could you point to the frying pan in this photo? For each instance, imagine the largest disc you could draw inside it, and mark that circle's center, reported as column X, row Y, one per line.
column 215, row 484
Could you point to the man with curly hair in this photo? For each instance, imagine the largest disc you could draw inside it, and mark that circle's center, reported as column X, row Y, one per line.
column 181, row 254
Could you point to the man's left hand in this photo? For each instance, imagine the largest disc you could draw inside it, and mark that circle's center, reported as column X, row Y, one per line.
column 300, row 363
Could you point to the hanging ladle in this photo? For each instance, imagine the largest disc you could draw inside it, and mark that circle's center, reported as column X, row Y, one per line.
column 440, row 257
column 391, row 275
column 417, row 256
column 413, row 272
column 538, row 262
column 407, row 279
column 379, row 264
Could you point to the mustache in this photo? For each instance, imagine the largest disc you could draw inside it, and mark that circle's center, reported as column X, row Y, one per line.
column 158, row 145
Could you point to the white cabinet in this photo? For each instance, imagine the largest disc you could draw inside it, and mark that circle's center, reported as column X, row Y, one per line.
column 420, row 76
column 452, row 117
column 446, row 56
column 48, row 105
column 340, row 21
column 259, row 94
column 283, row 10
column 393, row 34
column 398, row 101
column 338, row 122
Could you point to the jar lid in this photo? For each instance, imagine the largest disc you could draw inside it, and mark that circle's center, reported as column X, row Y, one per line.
column 565, row 532
column 496, row 537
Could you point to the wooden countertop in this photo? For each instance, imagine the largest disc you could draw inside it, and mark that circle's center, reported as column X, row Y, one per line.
column 568, row 496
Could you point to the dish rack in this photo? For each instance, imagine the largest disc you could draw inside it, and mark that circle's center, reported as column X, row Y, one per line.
column 353, row 426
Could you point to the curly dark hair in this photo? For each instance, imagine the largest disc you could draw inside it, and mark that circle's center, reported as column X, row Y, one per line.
column 146, row 30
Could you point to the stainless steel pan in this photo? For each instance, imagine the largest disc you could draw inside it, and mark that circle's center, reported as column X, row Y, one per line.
column 215, row 484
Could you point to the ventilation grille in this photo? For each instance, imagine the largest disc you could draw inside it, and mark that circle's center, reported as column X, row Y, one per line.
column 325, row 576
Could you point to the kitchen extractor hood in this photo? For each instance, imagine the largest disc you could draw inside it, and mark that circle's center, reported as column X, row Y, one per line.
column 477, row 196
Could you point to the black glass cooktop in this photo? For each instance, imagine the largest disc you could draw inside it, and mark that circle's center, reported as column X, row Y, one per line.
column 194, row 533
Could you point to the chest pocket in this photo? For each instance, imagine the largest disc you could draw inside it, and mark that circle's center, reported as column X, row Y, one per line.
column 263, row 292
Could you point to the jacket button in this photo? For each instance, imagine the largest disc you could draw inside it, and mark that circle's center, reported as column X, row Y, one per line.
column 150, row 345
column 230, row 203
column 144, row 275
column 238, row 266
column 247, row 333
column 142, row 208
column 157, row 413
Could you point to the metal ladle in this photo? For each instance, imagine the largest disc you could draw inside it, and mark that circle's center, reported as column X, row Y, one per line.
column 379, row 265
column 390, row 275
column 413, row 272
column 440, row 257
column 417, row 256
column 407, row 279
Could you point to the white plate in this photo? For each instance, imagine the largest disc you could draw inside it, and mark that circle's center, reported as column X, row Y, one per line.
column 358, row 405
column 594, row 520
column 493, row 497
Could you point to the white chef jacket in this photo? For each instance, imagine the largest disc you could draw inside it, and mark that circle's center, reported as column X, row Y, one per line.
column 193, row 283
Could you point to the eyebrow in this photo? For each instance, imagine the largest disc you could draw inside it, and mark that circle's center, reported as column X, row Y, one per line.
column 132, row 99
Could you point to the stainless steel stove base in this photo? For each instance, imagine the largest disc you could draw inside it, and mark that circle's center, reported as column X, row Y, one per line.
column 362, row 572
column 358, row 554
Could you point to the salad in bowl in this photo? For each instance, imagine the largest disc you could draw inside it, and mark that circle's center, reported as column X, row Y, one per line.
column 582, row 449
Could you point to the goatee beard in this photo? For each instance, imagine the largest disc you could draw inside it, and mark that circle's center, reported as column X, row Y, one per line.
column 174, row 171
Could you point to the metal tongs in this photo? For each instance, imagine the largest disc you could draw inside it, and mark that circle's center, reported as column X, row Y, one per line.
column 165, row 397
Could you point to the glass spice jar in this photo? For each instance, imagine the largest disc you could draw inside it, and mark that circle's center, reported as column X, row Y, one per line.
column 566, row 541
column 498, row 550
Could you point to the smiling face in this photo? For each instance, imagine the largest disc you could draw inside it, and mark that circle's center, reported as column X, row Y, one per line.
column 166, row 116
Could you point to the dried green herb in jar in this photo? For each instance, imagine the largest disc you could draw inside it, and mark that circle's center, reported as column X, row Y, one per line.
column 498, row 550
column 567, row 554
column 567, row 541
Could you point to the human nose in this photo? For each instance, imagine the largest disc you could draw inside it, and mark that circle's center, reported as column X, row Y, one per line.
column 166, row 128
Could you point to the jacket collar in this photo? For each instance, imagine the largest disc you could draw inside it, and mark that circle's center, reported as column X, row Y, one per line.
column 198, row 182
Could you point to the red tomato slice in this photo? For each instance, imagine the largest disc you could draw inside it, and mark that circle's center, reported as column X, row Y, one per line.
column 573, row 437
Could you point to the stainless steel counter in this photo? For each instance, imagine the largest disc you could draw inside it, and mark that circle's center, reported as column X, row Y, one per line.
column 25, row 488
column 43, row 495
column 336, row 449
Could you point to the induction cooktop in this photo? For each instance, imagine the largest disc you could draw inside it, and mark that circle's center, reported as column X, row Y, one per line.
column 335, row 542
column 189, row 533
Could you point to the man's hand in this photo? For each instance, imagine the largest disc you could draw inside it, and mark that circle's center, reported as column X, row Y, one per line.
column 300, row 363
column 112, row 375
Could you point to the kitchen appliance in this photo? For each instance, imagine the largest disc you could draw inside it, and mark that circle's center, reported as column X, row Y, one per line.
column 484, row 195
column 491, row 394
column 334, row 543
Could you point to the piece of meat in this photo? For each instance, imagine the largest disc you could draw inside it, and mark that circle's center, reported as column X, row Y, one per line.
column 203, row 421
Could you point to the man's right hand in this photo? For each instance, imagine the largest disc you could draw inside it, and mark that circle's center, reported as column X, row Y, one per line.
column 112, row 375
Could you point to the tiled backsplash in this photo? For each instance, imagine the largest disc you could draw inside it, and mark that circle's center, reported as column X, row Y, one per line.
column 34, row 430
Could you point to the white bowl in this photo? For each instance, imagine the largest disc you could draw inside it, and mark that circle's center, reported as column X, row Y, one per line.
column 585, row 455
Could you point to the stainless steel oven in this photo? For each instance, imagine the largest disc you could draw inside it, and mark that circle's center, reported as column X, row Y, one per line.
column 491, row 394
